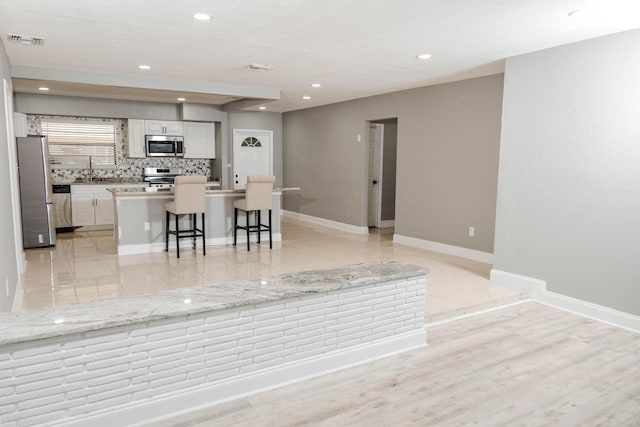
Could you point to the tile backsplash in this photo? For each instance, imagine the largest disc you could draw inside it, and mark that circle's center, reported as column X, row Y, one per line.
column 126, row 168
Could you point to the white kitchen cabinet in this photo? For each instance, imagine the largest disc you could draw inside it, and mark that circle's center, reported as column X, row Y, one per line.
column 103, row 210
column 163, row 127
column 135, row 140
column 82, row 209
column 199, row 140
column 91, row 205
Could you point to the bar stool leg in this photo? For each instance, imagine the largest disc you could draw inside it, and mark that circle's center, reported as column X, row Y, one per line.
column 270, row 241
column 204, row 245
column 193, row 223
column 166, row 231
column 235, row 226
column 247, row 215
column 177, row 237
column 259, row 226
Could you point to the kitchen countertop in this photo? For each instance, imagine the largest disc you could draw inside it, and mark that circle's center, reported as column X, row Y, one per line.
column 76, row 318
column 209, row 189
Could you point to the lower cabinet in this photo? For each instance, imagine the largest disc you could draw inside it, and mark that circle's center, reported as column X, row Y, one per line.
column 91, row 205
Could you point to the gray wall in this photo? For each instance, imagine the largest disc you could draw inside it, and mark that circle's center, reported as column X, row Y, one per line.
column 569, row 190
column 9, row 273
column 93, row 107
column 447, row 160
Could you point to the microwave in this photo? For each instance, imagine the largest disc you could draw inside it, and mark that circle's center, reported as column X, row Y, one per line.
column 164, row 146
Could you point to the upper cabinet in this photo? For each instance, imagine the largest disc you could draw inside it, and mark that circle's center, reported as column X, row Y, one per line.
column 199, row 137
column 199, row 140
column 163, row 127
column 135, row 142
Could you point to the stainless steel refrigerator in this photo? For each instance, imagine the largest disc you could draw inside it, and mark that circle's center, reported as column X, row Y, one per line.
column 38, row 224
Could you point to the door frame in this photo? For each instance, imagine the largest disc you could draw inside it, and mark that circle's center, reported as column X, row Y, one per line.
column 374, row 170
column 233, row 149
column 7, row 91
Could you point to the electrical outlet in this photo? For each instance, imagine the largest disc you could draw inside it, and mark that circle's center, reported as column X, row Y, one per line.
column 147, row 226
column 359, row 138
column 40, row 238
column 6, row 285
column 472, row 231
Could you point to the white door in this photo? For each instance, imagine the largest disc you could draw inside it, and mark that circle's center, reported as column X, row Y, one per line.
column 252, row 155
column 375, row 174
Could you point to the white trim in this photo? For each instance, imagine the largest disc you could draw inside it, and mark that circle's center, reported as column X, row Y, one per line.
column 145, row 248
column 326, row 222
column 474, row 314
column 387, row 223
column 522, row 284
column 18, row 297
column 537, row 290
column 14, row 185
column 243, row 385
column 472, row 254
column 375, row 172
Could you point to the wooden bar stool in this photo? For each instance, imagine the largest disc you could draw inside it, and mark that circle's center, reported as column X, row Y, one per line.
column 258, row 197
column 188, row 199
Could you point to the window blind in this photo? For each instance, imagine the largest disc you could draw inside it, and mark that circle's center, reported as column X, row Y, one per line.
column 74, row 144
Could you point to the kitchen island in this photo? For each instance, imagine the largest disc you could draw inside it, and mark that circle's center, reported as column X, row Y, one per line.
column 139, row 217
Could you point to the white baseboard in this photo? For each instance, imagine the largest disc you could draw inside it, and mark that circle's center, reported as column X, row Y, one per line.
column 537, row 291
column 326, row 222
column 472, row 254
column 522, row 284
column 388, row 223
column 243, row 385
column 146, row 248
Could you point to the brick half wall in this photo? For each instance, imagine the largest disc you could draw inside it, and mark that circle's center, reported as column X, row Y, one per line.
column 119, row 376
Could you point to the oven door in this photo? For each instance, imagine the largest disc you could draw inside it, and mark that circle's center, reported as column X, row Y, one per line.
column 160, row 146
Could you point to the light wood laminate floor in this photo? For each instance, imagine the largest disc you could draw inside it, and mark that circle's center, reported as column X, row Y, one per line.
column 84, row 266
column 523, row 365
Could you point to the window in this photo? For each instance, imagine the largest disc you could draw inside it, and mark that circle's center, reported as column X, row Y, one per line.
column 251, row 142
column 78, row 145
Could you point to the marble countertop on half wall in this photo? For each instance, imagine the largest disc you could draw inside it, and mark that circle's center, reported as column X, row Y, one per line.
column 31, row 325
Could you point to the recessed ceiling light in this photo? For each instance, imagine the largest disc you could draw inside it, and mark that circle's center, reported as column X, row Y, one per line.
column 187, row 301
column 424, row 56
column 262, row 107
column 182, row 99
column 306, row 97
column 43, row 88
column 316, row 85
column 263, row 282
column 144, row 67
column 201, row 16
column 58, row 321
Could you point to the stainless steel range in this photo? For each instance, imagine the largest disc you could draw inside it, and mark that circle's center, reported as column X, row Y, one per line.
column 161, row 177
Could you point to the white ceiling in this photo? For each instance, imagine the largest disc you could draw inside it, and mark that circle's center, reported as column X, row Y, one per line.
column 355, row 48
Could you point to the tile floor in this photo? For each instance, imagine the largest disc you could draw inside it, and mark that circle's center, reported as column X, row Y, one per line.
column 84, row 266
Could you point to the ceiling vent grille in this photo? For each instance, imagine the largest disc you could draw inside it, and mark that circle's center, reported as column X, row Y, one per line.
column 25, row 40
column 259, row 67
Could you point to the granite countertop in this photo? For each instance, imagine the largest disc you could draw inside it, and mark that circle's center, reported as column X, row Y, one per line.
column 210, row 189
column 100, row 181
column 31, row 325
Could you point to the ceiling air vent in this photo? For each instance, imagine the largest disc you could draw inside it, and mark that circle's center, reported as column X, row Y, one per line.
column 25, row 40
column 259, row 67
